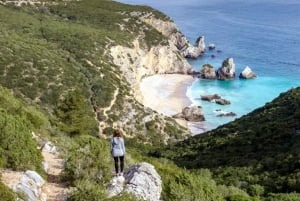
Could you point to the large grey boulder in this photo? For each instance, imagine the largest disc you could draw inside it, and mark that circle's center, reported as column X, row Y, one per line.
column 141, row 180
column 31, row 185
column 247, row 73
column 207, row 72
column 196, row 50
column 227, row 71
column 193, row 113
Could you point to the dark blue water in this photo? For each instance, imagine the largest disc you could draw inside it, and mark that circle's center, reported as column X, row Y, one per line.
column 264, row 35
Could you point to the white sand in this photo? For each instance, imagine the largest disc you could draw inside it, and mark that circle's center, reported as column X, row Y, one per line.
column 166, row 93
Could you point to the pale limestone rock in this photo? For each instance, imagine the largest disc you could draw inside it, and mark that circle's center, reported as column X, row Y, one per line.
column 227, row 71
column 143, row 181
column 207, row 72
column 115, row 186
column 193, row 113
column 137, row 63
column 31, row 185
column 247, row 73
column 49, row 147
column 196, row 50
column 35, row 177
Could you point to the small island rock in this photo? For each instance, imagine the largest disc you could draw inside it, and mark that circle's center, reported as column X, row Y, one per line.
column 193, row 113
column 247, row 73
column 207, row 72
column 222, row 101
column 196, row 50
column 211, row 46
column 227, row 71
column 210, row 97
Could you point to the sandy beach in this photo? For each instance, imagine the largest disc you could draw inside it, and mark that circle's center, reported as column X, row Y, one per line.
column 166, row 93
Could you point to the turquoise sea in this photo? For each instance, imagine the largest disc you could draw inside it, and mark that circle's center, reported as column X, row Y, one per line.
column 264, row 35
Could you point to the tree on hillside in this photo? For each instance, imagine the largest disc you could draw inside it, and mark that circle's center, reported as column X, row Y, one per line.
column 75, row 116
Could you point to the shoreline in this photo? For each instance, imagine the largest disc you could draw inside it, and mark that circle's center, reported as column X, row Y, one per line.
column 167, row 94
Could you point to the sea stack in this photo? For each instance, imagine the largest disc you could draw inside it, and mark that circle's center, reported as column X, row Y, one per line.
column 196, row 50
column 227, row 71
column 207, row 72
column 247, row 73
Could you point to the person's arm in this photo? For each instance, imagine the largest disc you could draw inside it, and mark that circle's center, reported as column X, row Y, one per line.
column 111, row 145
column 123, row 146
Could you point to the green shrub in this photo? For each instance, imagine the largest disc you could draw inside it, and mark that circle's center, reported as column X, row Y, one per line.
column 75, row 115
column 18, row 149
column 283, row 197
column 6, row 194
column 88, row 159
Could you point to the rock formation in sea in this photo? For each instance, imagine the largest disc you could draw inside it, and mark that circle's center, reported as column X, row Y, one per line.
column 193, row 113
column 207, row 72
column 222, row 102
column 194, row 51
column 210, row 97
column 247, row 73
column 226, row 114
column 215, row 98
column 141, row 179
column 211, row 46
column 227, row 71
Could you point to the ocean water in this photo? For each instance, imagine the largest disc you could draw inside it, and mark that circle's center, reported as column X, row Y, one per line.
column 264, row 35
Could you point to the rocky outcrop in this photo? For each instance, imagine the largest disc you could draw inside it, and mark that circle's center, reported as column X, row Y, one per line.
column 170, row 30
column 247, row 73
column 210, row 97
column 207, row 72
column 196, row 50
column 167, row 28
column 221, row 113
column 227, row 71
column 29, row 183
column 193, row 113
column 215, row 98
column 141, row 180
column 137, row 63
column 222, row 102
column 227, row 114
column 211, row 46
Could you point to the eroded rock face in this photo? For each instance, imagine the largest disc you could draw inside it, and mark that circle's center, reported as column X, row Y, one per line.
column 196, row 50
column 141, row 179
column 207, row 72
column 227, row 71
column 137, row 63
column 169, row 29
column 247, row 73
column 193, row 113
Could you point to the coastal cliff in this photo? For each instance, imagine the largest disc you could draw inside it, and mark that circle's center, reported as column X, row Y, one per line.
column 137, row 61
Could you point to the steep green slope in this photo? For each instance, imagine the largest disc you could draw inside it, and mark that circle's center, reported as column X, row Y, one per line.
column 259, row 150
column 47, row 51
column 17, row 122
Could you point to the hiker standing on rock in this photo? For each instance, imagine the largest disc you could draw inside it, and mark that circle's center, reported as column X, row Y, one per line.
column 117, row 150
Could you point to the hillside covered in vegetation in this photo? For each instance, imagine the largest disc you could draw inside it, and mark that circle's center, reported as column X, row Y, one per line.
column 258, row 152
column 50, row 50
column 59, row 81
